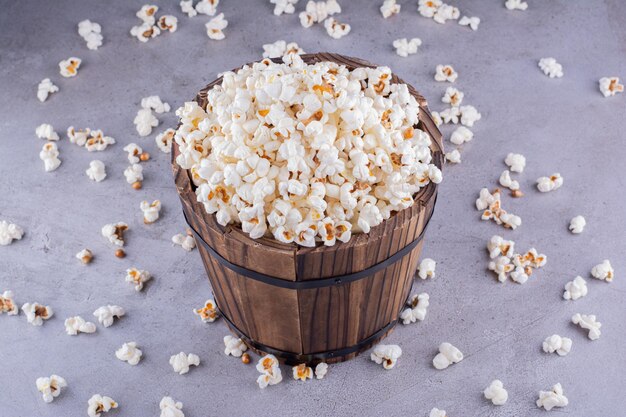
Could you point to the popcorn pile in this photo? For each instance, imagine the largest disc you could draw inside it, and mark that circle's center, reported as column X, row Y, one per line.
column 91, row 33
column 152, row 27
column 490, row 205
column 314, row 155
column 519, row 266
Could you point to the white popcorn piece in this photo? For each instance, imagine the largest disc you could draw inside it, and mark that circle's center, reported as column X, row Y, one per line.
column 234, row 346
column 49, row 155
column 150, row 211
column 37, row 313
column 186, row 6
column 405, row 47
column 426, row 268
column 281, row 48
column 450, row 115
column 9, row 232
column 490, row 205
column 577, row 224
column 129, row 353
column 454, row 156
column 506, row 181
column 164, row 140
column 145, row 31
column 114, row 232
column 85, row 256
column 446, row 12
column 453, row 96
column 147, row 13
column 588, row 322
column 389, row 8
column 7, row 304
column 134, row 151
column 609, row 86
column 387, row 355
column 96, row 171
column 447, row 356
column 155, row 103
column 46, row 131
column 187, row 242
column 106, row 314
column 216, row 26
column 97, row 141
column 171, row 408
column 338, row 30
column 302, row 372
column 575, row 289
column 516, row 5
column 137, row 277
column 321, row 370
column 519, row 275
column 445, row 73
column 45, row 88
column 91, row 32
column 496, row 392
column 428, row 8
column 437, row 118
column 77, row 136
column 318, row 11
column 207, row 7
column 99, row 404
column 498, row 246
column 461, row 135
column 182, row 361
column 168, row 23
column 551, row 67
column 284, row 6
column 530, row 259
column 208, row 313
column 134, row 174
column 50, row 387
column 144, row 121
column 603, row 271
column 469, row 115
column 69, row 67
column 270, row 371
column 76, row 324
column 555, row 343
column 551, row 183
column 553, row 398
column 516, row 162
column 418, row 307
column 471, row 22
column 435, row 412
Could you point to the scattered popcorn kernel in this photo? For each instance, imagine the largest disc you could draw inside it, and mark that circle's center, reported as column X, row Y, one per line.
column 114, row 232
column 77, row 136
column 155, row 103
column 207, row 7
column 77, row 324
column 469, row 115
column 96, row 171
column 37, row 313
column 558, row 344
column 7, row 305
column 445, row 73
column 387, row 355
column 318, row 11
column 145, row 31
column 46, row 131
column 435, row 412
column 134, row 174
column 137, row 277
column 447, row 355
column 550, row 67
column 9, row 232
column 428, row 8
column 497, row 246
column 133, row 151
column 164, row 140
column 49, row 155
column 321, row 370
column 461, row 135
column 446, row 12
column 208, row 313
column 453, row 96
column 417, row 308
column 553, row 398
column 147, row 13
column 119, row 253
column 215, row 27
column 99, row 404
column 69, row 67
column 91, row 33
column 426, row 268
column 588, row 322
column 516, row 162
column 50, row 387
column 389, row 8
column 145, row 121
column 45, row 88
column 85, row 256
column 245, row 358
column 150, row 211
column 490, row 205
column 234, row 346
column 610, row 86
column 471, row 22
column 516, row 5
column 129, row 353
column 284, row 6
column 106, row 314
column 454, row 156
column 171, row 408
column 187, row 242
column 603, row 271
column 337, row 30
column 186, row 6
column 575, row 289
column 577, row 224
column 182, row 361
column 302, row 372
column 406, row 47
column 496, row 392
column 281, row 48
column 270, row 371
column 506, row 181
column 551, row 183
column 530, row 259
column 98, row 141
column 168, row 23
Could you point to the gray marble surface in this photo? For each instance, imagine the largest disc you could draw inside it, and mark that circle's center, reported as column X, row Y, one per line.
column 561, row 125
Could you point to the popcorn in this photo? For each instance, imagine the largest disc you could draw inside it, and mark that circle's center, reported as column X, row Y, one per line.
column 171, row 408
column 168, row 23
column 530, row 260
column 516, row 162
column 69, row 67
column 37, row 313
column 45, row 88
column 553, row 398
column 207, row 7
column 575, row 289
column 506, row 181
column 134, row 174
column 609, row 86
column 471, row 22
column 99, row 404
column 551, row 183
column 502, row 266
column 426, row 268
column 145, row 31
column 386, row 354
column 454, row 156
column 182, row 361
column 577, row 224
column 446, row 12
column 435, row 412
column 428, row 8
column 491, row 206
column 284, row 6
column 186, row 241
column 270, row 371
column 50, row 387
column 7, row 305
column 497, row 246
column 450, row 115
column 91, row 33
column 281, row 48
column 445, row 73
column 208, row 313
column 98, row 141
column 155, row 103
column 320, row 370
column 215, row 27
column 46, row 131
column 603, row 271
column 406, row 47
column 106, row 314
column 447, row 355
column 389, row 8
column 114, row 232
column 129, row 353
column 558, row 344
column 234, row 346
column 150, row 211
column 137, row 277
column 164, row 140
column 496, row 392
column 186, row 6
column 316, row 12
column 49, row 155
column 133, row 151
column 337, row 30
column 550, row 67
column 453, row 96
column 96, row 171
column 77, row 324
column 147, row 13
column 418, row 307
column 469, row 115
column 85, row 256
column 461, row 135
column 302, row 372
column 588, row 322
column 144, row 121
column 516, row 5
column 9, row 232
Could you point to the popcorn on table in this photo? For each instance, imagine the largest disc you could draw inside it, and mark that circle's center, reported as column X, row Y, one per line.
column 98, row 141
column 69, row 67
column 603, row 271
column 505, row 180
column 269, row 368
column 418, row 307
column 447, row 355
column 461, row 135
column 234, row 346
column 438, row 11
column 182, row 361
column 150, row 211
column 453, row 96
column 284, row 6
column 302, row 372
column 321, row 370
column 46, row 131
column 186, row 6
column 37, row 313
column 490, row 205
column 96, row 171
column 50, row 387
column 129, row 353
column 134, row 151
column 215, row 27
column 168, row 23
column 609, row 86
column 553, row 398
column 525, row 263
column 91, row 33
column 144, row 121
column 114, row 232
column 145, row 31
column 186, row 241
column 208, row 313
column 471, row 22
column 49, row 155
column 99, row 404
column 445, row 73
column 281, row 48
column 164, row 140
column 450, row 115
column 137, row 277
column 426, row 268
column 155, row 103
column 85, row 256
column 77, row 324
column 106, row 314
column 134, row 174
column 389, row 8
column 469, row 115
column 516, row 162
column 207, row 7
column 551, row 68
column 588, row 322
column 555, row 343
column 318, row 11
column 577, row 224
column 45, row 88
column 435, row 412
column 387, row 355
column 551, row 183
column 405, row 47
column 575, row 289
column 498, row 246
column 338, row 30
column 454, row 156
column 496, row 392
column 9, row 232
column 147, row 13
column 7, row 304
column 171, row 408
column 516, row 5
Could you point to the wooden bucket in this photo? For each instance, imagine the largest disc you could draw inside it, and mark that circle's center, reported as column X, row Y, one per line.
column 322, row 304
